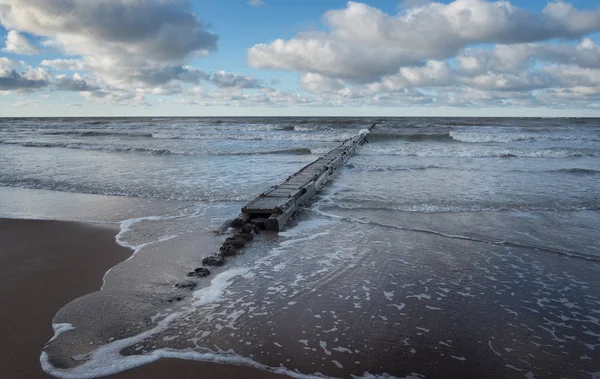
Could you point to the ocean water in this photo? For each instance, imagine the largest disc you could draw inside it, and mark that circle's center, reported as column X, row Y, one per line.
column 444, row 247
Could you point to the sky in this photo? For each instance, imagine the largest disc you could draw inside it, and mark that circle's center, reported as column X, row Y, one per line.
column 299, row 58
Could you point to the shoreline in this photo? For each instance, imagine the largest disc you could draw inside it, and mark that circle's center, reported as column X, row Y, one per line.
column 44, row 265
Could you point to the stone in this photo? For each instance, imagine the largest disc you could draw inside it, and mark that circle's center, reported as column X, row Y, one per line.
column 202, row 272
column 228, row 251
column 261, row 223
column 238, row 222
column 213, row 260
column 256, row 229
column 187, row 285
column 248, row 228
column 244, row 236
column 235, row 242
column 178, row 298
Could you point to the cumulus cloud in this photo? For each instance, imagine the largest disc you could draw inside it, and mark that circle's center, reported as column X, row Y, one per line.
column 318, row 83
column 127, row 43
column 430, row 54
column 75, row 83
column 364, row 43
column 518, row 57
column 467, row 53
column 236, row 97
column 15, row 76
column 224, row 79
column 18, row 44
column 158, row 30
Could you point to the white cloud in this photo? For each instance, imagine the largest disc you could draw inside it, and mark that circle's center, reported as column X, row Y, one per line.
column 224, row 79
column 127, row 43
column 424, row 55
column 573, row 76
column 124, row 51
column 156, row 30
column 364, row 43
column 236, row 97
column 257, row 3
column 18, row 77
column 318, row 83
column 18, row 44
column 75, row 83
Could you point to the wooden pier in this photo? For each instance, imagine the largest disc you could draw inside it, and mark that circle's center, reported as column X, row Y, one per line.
column 276, row 205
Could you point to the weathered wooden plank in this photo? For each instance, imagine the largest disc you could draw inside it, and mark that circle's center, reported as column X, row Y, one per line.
column 283, row 200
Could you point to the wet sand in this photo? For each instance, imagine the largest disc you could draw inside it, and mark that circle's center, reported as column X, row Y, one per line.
column 46, row 264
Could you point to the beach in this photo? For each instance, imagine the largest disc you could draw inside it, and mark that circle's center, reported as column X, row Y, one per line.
column 46, row 264
column 444, row 247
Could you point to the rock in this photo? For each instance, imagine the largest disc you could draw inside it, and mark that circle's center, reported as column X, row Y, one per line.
column 238, row 222
column 248, row 228
column 256, row 229
column 202, row 272
column 244, row 236
column 228, row 251
column 260, row 222
column 178, row 298
column 187, row 285
column 235, row 242
column 213, row 260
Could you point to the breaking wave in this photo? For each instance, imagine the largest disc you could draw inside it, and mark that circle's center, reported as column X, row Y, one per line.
column 477, row 137
column 579, row 171
column 461, row 207
column 138, row 192
column 153, row 151
column 414, row 137
column 410, row 151
column 96, row 133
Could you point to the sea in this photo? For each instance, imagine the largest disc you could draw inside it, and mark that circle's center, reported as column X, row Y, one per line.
column 445, row 247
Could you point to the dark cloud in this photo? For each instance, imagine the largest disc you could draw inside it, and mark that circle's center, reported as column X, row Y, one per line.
column 150, row 29
column 14, row 81
column 64, row 83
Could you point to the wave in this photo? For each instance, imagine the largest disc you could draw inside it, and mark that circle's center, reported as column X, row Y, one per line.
column 458, row 207
column 499, row 242
column 96, row 133
column 477, row 137
column 376, row 168
column 299, row 128
column 316, row 137
column 160, row 152
column 81, row 146
column 579, row 171
column 137, row 192
column 408, row 151
column 293, row 151
column 413, row 137
column 204, row 136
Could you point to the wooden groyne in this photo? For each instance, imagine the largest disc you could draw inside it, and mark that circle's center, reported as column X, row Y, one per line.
column 274, row 207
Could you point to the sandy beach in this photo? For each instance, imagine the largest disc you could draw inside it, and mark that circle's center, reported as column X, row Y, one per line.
column 46, row 264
